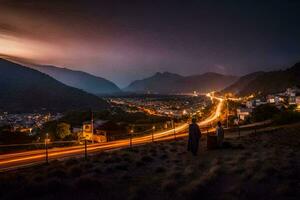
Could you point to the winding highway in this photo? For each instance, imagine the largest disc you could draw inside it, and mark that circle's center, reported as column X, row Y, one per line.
column 28, row 158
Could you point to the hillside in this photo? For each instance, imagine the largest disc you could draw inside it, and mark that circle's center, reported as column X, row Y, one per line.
column 273, row 82
column 262, row 165
column 81, row 80
column 165, row 83
column 242, row 83
column 159, row 82
column 24, row 90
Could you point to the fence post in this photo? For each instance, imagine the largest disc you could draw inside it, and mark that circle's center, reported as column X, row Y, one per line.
column 153, row 129
column 131, row 132
column 174, row 130
column 46, row 148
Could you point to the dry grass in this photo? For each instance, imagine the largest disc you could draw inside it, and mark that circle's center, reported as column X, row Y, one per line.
column 259, row 166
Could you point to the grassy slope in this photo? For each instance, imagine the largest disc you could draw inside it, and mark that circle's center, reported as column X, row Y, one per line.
column 264, row 165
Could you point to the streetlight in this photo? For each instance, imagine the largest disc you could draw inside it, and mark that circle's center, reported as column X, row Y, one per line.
column 131, row 132
column 227, row 113
column 46, row 147
column 85, row 148
column 153, row 129
column 173, row 123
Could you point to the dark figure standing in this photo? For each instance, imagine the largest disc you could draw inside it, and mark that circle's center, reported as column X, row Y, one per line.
column 220, row 134
column 194, row 137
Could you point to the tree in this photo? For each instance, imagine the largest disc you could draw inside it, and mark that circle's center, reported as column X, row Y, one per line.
column 264, row 112
column 63, row 130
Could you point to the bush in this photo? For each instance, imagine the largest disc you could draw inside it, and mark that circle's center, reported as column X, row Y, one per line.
column 286, row 117
column 75, row 171
column 147, row 159
column 264, row 112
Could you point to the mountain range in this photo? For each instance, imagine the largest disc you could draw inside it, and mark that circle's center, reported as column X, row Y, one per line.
column 23, row 89
column 81, row 80
column 266, row 82
column 166, row 83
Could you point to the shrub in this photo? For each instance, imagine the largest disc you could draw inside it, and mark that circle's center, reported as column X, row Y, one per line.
column 264, row 112
column 88, row 183
column 75, row 171
column 286, row 117
column 147, row 159
column 160, row 170
column 164, row 157
column 59, row 173
column 71, row 162
column 123, row 167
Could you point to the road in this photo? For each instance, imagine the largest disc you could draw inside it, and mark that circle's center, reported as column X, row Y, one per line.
column 27, row 158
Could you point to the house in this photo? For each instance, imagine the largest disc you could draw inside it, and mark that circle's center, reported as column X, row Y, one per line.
column 243, row 113
column 291, row 91
column 254, row 102
column 297, row 100
column 250, row 104
column 292, row 99
column 90, row 131
column 274, row 99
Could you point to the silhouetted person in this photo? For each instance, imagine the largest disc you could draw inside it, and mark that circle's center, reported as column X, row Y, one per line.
column 194, row 137
column 220, row 134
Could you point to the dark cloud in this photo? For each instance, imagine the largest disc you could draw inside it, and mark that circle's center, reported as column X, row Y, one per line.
column 125, row 40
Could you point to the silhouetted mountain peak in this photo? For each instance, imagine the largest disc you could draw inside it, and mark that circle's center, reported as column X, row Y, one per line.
column 295, row 68
column 267, row 82
column 168, row 82
column 166, row 74
column 79, row 79
column 24, row 89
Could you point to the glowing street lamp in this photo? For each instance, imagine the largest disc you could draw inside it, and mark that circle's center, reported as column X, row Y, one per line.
column 47, row 140
column 131, row 133
column 153, row 129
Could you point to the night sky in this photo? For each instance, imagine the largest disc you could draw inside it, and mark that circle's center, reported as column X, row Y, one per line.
column 127, row 40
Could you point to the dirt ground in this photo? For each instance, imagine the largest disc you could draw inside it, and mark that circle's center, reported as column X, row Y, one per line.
column 261, row 165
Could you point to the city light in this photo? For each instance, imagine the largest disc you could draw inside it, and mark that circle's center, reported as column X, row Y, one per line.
column 39, row 155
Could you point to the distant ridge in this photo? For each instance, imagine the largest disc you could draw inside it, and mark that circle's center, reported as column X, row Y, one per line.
column 166, row 83
column 267, row 82
column 242, row 83
column 78, row 79
column 23, row 89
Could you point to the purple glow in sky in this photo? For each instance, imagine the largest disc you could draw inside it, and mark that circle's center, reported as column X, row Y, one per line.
column 123, row 41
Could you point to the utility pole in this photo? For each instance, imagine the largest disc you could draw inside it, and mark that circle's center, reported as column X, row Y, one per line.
column 131, row 132
column 153, row 129
column 173, row 123
column 85, row 149
column 227, row 114
column 239, row 127
column 46, row 148
column 92, row 125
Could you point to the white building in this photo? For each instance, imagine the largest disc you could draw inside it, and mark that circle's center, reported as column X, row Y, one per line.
column 298, row 100
column 292, row 99
column 243, row 113
column 274, row 99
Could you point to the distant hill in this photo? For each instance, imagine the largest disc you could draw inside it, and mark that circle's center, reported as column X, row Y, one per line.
column 269, row 82
column 165, row 83
column 81, row 80
column 159, row 82
column 242, row 83
column 24, row 90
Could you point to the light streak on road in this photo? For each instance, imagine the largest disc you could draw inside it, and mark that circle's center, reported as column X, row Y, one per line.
column 15, row 160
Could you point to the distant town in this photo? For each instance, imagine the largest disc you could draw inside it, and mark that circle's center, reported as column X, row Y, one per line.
column 26, row 122
column 291, row 97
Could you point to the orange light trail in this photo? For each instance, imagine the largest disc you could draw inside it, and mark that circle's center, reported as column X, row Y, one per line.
column 8, row 161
